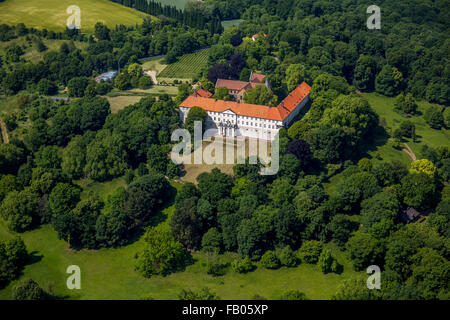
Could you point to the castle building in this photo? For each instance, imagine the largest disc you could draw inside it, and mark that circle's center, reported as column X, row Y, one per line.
column 235, row 118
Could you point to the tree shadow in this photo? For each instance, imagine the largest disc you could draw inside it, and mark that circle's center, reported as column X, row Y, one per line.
column 380, row 137
column 33, row 257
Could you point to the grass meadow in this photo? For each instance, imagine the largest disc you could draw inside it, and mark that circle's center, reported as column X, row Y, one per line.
column 52, row 15
column 177, row 3
column 384, row 107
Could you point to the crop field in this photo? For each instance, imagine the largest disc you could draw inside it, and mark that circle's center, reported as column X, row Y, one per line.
column 187, row 67
column 52, row 15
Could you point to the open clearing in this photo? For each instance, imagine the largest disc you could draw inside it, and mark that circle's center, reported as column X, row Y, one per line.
column 177, row 3
column 193, row 170
column 226, row 24
column 52, row 15
column 384, row 106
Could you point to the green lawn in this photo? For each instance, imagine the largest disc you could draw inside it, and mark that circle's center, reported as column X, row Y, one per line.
column 384, row 106
column 226, row 24
column 177, row 3
column 109, row 273
column 52, row 15
column 187, row 66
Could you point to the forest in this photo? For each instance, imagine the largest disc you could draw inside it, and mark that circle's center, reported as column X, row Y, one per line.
column 327, row 191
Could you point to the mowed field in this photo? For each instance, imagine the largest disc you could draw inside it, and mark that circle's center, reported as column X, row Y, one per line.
column 187, row 66
column 52, row 15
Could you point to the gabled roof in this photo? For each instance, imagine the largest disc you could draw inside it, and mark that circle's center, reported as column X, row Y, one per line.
column 255, row 77
column 278, row 113
column 204, row 93
column 232, row 84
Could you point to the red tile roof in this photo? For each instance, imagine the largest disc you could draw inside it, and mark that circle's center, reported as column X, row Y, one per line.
column 204, row 93
column 257, row 77
column 278, row 113
column 232, row 84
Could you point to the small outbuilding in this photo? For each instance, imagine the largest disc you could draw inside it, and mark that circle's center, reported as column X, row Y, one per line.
column 107, row 76
column 410, row 215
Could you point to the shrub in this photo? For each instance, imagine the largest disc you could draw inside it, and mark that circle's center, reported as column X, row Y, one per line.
column 212, row 240
column 287, row 257
column 29, row 290
column 434, row 117
column 243, row 265
column 161, row 254
column 293, row 295
column 327, row 263
column 145, row 82
column 269, row 260
column 310, row 251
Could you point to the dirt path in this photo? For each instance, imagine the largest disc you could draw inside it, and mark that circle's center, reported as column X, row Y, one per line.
column 409, row 152
column 152, row 74
column 4, row 131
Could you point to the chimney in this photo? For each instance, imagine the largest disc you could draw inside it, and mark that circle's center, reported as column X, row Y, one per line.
column 195, row 93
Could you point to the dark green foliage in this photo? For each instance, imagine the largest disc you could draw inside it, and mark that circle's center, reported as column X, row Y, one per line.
column 356, row 188
column 20, row 210
column 29, row 290
column 13, row 256
column 203, row 294
column 310, row 251
column 434, row 117
column 144, row 196
column 187, row 225
column 161, row 255
column 47, row 87
column 215, row 185
column 77, row 86
column 269, row 260
column 383, row 205
column 287, row 257
column 327, row 263
column 244, row 265
column 418, row 190
column 11, row 157
column 340, row 228
column 63, row 198
column 195, row 114
column 293, row 295
column 364, row 250
column 212, row 240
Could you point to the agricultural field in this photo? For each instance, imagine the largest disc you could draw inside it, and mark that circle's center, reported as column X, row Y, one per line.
column 52, row 15
column 187, row 67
